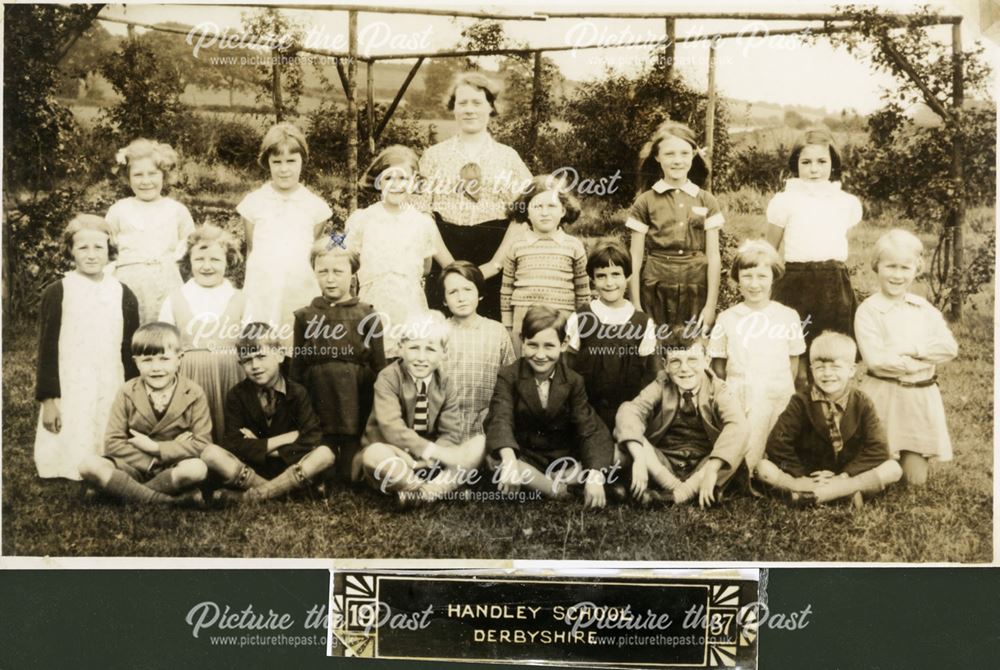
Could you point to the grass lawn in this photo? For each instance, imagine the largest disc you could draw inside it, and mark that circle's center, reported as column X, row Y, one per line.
column 948, row 520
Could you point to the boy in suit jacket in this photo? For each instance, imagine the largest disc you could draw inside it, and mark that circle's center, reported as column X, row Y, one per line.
column 685, row 430
column 541, row 431
column 158, row 426
column 828, row 443
column 412, row 444
column 272, row 441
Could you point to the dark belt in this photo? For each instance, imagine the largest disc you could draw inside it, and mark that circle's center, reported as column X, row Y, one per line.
column 912, row 385
column 674, row 253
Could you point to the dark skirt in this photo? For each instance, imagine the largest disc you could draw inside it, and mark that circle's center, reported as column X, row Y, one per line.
column 475, row 244
column 674, row 287
column 822, row 294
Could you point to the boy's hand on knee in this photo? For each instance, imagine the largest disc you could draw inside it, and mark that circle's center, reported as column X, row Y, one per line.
column 509, row 480
column 593, row 491
column 247, row 433
column 640, row 478
column 706, row 489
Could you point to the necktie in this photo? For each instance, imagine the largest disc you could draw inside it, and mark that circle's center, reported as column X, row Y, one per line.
column 420, row 409
column 268, row 402
column 687, row 403
column 833, row 424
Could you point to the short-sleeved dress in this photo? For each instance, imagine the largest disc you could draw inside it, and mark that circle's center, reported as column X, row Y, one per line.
column 279, row 279
column 392, row 248
column 757, row 346
column 85, row 329
column 674, row 275
column 816, row 217
column 209, row 320
column 913, row 416
column 477, row 348
column 614, row 353
column 152, row 237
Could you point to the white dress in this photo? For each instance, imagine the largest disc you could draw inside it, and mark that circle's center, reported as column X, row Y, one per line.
column 757, row 346
column 279, row 279
column 90, row 374
column 151, row 237
column 392, row 248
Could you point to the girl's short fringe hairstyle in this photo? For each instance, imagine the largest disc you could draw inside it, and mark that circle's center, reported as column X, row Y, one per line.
column 163, row 155
column 820, row 135
column 542, row 317
column 430, row 325
column 607, row 254
column 478, row 81
column 88, row 222
column 254, row 337
column 156, row 338
column 650, row 171
column 753, row 253
column 833, row 346
column 279, row 135
column 207, row 235
column 326, row 246
column 392, row 156
column 518, row 210
column 899, row 240
column 467, row 270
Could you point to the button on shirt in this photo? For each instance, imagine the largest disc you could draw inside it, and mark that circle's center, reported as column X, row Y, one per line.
column 543, row 389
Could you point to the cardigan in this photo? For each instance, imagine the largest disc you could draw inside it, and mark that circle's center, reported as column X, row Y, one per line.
column 650, row 414
column 391, row 420
column 517, row 420
column 292, row 411
column 183, row 431
column 49, row 323
column 800, row 444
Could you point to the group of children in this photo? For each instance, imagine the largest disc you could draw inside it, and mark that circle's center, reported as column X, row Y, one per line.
column 295, row 379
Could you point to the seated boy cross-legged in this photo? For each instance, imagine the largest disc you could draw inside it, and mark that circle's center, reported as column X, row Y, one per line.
column 828, row 443
column 685, row 430
column 541, row 431
column 158, row 426
column 271, row 445
column 412, row 445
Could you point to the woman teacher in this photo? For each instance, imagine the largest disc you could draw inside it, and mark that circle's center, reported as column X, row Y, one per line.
column 470, row 179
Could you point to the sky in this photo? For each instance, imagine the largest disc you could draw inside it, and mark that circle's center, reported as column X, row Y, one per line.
column 758, row 67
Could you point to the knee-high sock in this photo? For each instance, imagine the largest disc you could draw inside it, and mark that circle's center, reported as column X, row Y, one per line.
column 163, row 482
column 289, row 480
column 126, row 488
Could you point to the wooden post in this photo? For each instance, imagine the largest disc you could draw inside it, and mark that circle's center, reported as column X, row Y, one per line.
column 710, row 114
column 670, row 48
column 395, row 101
column 536, row 101
column 276, row 99
column 371, row 108
column 352, row 107
column 957, row 172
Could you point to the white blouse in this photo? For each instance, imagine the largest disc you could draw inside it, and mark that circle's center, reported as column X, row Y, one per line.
column 816, row 217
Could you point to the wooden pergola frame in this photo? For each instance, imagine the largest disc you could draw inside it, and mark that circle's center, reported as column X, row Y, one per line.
column 831, row 23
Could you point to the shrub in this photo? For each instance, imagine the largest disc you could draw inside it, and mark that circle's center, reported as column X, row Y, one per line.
column 237, row 144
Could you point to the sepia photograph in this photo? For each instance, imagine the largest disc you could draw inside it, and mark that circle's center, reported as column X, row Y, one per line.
column 681, row 281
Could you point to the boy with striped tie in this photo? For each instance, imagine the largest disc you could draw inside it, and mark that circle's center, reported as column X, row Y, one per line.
column 412, row 444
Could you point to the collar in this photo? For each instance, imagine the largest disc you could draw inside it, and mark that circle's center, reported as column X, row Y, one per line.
column 605, row 313
column 169, row 390
column 813, row 187
column 544, row 381
column 319, row 302
column 883, row 304
column 294, row 195
column 688, row 187
column 741, row 308
column 559, row 235
column 416, row 381
column 816, row 395
column 279, row 386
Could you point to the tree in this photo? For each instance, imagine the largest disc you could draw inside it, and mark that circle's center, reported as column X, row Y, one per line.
column 279, row 77
column 150, row 87
column 82, row 63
